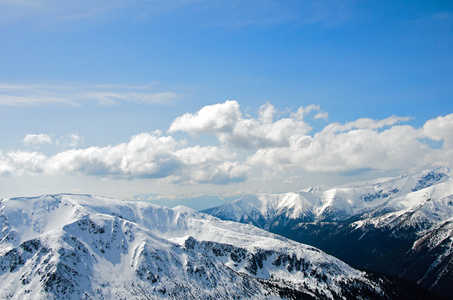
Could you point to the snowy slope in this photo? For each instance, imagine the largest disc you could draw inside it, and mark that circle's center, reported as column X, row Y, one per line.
column 323, row 203
column 401, row 226
column 85, row 247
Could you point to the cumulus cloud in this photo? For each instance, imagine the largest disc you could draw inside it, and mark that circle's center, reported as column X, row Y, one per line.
column 146, row 155
column 440, row 129
column 232, row 128
column 200, row 155
column 282, row 141
column 274, row 144
column 6, row 167
column 363, row 144
column 24, row 162
column 211, row 165
column 37, row 139
column 210, row 119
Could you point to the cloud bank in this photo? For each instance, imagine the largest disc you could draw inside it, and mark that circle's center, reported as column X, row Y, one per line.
column 272, row 142
column 146, row 155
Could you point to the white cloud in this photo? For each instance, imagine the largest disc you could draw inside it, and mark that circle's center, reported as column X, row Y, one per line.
column 146, row 155
column 210, row 119
column 223, row 173
column 281, row 145
column 321, row 115
column 198, row 155
column 6, row 167
column 210, row 165
column 364, row 123
column 110, row 98
column 23, row 162
column 74, row 140
column 361, row 145
column 440, row 128
column 230, row 126
column 78, row 94
column 283, row 142
column 304, row 111
column 37, row 139
column 71, row 140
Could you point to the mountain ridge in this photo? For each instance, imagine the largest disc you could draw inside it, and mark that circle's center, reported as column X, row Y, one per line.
column 83, row 247
column 384, row 225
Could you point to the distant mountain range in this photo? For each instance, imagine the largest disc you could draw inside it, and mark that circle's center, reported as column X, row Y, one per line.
column 399, row 226
column 86, row 247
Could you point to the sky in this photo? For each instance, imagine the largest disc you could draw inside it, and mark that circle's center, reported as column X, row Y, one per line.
column 210, row 100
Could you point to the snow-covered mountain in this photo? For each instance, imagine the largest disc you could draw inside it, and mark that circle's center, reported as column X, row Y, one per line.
column 86, row 247
column 401, row 226
column 322, row 203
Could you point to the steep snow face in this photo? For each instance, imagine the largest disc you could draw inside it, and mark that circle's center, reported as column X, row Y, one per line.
column 425, row 207
column 81, row 247
column 423, row 220
column 330, row 204
column 105, row 257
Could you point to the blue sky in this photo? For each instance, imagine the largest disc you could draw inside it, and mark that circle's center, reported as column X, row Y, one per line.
column 180, row 98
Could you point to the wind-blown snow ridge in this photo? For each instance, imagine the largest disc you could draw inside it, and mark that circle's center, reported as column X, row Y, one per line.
column 83, row 247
